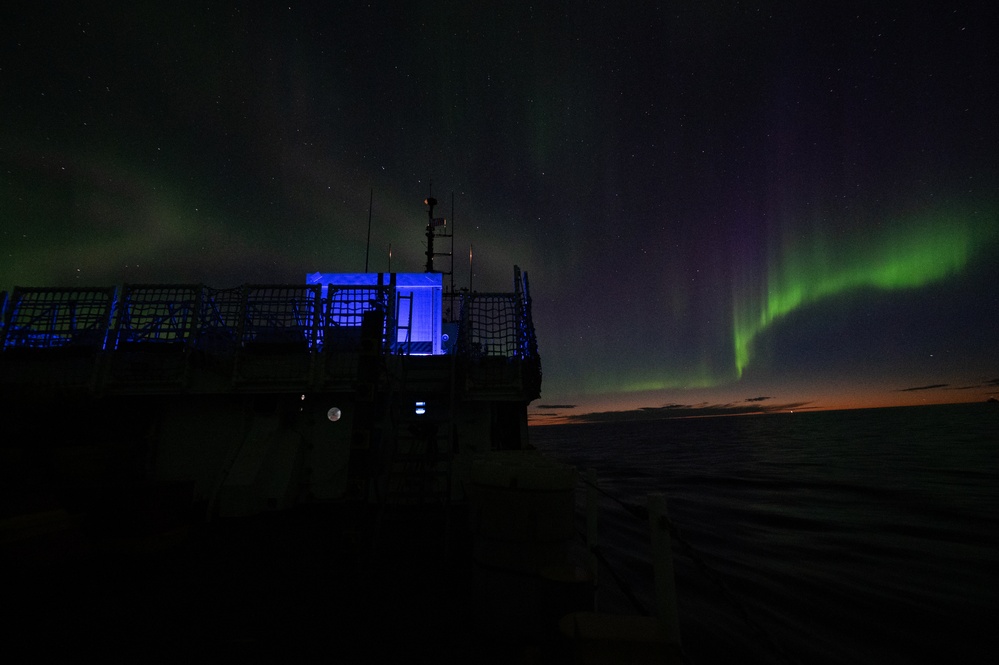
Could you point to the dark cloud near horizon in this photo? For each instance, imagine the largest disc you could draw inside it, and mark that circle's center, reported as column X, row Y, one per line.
column 933, row 386
column 757, row 399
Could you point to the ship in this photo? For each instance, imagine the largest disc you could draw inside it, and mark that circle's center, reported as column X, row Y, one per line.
column 339, row 467
column 377, row 387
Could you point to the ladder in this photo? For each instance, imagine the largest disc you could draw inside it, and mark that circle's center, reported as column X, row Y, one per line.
column 399, row 347
column 417, row 496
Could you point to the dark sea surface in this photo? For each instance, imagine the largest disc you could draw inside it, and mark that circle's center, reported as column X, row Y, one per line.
column 867, row 536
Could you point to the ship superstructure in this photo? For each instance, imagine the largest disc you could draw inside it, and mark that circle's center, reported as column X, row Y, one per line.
column 376, row 387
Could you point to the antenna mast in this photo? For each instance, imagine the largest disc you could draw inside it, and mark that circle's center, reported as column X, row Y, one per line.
column 430, row 202
column 437, row 228
column 367, row 248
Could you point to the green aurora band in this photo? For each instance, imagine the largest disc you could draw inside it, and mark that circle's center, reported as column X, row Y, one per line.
column 915, row 254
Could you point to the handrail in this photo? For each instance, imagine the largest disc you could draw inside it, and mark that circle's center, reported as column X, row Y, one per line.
column 220, row 321
column 658, row 519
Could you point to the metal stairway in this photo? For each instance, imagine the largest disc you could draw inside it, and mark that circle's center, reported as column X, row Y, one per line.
column 416, row 497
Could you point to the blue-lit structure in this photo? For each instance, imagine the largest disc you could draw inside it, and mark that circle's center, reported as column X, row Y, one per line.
column 231, row 392
column 412, row 303
column 326, row 314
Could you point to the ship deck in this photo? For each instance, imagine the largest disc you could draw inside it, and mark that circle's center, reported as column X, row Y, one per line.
column 317, row 582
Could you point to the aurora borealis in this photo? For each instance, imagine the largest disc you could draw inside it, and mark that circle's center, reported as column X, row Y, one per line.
column 806, row 272
column 719, row 205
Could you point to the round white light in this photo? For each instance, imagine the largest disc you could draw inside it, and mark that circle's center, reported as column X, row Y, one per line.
column 333, row 414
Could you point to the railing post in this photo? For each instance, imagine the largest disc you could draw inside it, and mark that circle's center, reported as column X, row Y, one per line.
column 662, row 561
column 591, row 524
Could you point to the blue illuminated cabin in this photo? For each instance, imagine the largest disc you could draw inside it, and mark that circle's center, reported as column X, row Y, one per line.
column 416, row 309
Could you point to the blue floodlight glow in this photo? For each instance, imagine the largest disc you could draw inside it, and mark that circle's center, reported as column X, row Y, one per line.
column 421, row 408
column 418, row 304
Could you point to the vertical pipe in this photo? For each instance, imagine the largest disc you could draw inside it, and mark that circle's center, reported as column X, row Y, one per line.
column 451, row 255
column 662, row 561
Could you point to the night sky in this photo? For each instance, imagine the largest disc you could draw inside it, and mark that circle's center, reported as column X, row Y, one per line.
column 719, row 206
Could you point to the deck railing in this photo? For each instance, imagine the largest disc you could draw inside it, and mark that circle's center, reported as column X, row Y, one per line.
column 253, row 319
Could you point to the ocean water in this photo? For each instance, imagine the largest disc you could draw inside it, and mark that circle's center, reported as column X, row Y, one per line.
column 868, row 536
